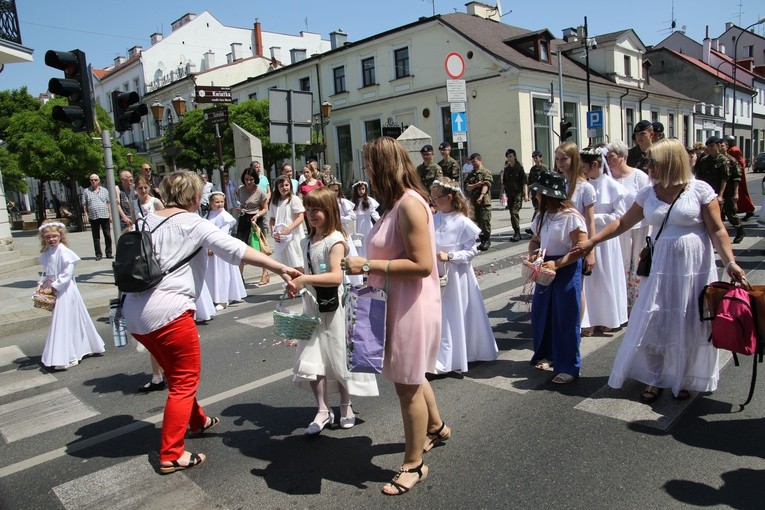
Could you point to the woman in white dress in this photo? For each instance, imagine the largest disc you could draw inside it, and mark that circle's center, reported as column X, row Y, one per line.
column 72, row 335
column 321, row 362
column 466, row 333
column 666, row 344
column 606, row 299
column 287, row 214
column 366, row 212
column 222, row 279
column 633, row 240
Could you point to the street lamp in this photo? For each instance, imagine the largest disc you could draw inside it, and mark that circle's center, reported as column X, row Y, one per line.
column 129, row 157
column 158, row 111
column 735, row 66
column 320, row 121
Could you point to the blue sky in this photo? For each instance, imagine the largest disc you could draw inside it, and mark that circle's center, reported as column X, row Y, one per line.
column 104, row 29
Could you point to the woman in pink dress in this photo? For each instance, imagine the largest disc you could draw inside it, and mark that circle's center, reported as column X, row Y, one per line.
column 402, row 244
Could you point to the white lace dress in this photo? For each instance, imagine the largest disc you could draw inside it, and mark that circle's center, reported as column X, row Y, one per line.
column 666, row 342
column 325, row 354
column 222, row 279
column 605, row 291
column 72, row 334
column 288, row 250
column 466, row 333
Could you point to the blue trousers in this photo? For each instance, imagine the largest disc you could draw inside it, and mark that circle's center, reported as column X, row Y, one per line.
column 555, row 319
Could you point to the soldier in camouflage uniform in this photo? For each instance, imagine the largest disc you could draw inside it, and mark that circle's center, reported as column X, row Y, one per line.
column 715, row 169
column 478, row 189
column 449, row 166
column 534, row 173
column 428, row 170
column 516, row 188
column 643, row 134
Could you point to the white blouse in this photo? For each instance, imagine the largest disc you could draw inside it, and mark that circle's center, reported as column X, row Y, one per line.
column 555, row 237
column 175, row 240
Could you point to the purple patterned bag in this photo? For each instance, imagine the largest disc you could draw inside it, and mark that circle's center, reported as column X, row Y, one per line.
column 365, row 312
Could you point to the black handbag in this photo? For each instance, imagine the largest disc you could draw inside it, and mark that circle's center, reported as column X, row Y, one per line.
column 646, row 254
column 327, row 297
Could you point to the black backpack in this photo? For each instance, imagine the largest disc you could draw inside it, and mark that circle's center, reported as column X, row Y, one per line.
column 136, row 267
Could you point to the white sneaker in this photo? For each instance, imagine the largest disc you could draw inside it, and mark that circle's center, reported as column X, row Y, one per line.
column 220, row 306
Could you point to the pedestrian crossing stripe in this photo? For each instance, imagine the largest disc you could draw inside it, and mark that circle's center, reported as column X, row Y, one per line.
column 15, row 379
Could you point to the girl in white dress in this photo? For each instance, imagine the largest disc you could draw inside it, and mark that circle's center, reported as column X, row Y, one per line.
column 466, row 333
column 366, row 212
column 666, row 344
column 633, row 240
column 582, row 195
column 72, row 335
column 606, row 298
column 222, row 279
column 321, row 362
column 346, row 207
column 287, row 214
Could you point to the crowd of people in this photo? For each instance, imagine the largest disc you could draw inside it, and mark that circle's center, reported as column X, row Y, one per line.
column 414, row 232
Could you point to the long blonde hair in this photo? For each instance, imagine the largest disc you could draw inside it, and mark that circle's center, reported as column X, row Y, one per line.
column 571, row 150
column 390, row 170
column 323, row 198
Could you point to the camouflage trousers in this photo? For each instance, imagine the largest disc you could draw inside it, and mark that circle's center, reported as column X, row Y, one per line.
column 514, row 203
column 729, row 211
column 483, row 220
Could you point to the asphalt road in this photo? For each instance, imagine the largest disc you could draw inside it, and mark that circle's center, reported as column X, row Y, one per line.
column 83, row 439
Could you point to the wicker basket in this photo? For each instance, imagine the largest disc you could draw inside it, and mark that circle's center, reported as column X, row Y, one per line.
column 44, row 301
column 537, row 274
column 298, row 326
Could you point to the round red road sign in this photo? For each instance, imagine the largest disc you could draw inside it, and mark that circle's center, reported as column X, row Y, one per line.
column 454, row 65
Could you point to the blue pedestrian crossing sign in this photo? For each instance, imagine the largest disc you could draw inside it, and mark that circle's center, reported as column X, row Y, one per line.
column 459, row 122
column 595, row 120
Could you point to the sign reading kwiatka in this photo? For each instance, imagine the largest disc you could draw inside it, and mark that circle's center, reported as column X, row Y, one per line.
column 212, row 94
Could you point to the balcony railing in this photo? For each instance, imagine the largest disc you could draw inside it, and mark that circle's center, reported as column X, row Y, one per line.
column 172, row 76
column 9, row 22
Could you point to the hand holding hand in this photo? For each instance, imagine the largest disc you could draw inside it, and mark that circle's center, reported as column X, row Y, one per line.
column 442, row 256
column 294, row 287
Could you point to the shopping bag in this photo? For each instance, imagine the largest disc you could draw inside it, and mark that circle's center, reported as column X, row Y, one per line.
column 365, row 315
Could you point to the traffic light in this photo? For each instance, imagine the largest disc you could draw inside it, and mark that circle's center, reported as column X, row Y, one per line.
column 565, row 131
column 127, row 109
column 75, row 86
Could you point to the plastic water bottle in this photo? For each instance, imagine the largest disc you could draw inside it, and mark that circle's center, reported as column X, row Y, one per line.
column 322, row 268
column 119, row 331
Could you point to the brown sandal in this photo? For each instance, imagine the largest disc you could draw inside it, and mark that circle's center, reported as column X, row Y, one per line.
column 439, row 436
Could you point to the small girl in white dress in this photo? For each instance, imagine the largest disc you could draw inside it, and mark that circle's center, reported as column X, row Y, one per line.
column 366, row 212
column 466, row 333
column 287, row 214
column 321, row 362
column 72, row 335
column 222, row 279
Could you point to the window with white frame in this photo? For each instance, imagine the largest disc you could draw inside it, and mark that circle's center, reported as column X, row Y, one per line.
column 372, row 129
column 627, row 66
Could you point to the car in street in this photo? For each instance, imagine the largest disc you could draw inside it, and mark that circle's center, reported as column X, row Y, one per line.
column 759, row 163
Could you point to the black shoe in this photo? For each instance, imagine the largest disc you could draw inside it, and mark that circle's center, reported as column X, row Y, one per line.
column 109, row 257
column 739, row 235
column 529, row 231
column 516, row 237
column 152, row 386
column 748, row 215
column 98, row 257
column 484, row 245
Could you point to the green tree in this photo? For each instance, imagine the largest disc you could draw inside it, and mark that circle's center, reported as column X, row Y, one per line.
column 12, row 101
column 195, row 139
column 13, row 177
column 49, row 150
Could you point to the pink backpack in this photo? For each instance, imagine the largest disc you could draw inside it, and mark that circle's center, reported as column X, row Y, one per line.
column 733, row 324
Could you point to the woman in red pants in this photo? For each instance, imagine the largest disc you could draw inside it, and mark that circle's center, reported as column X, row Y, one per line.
column 162, row 318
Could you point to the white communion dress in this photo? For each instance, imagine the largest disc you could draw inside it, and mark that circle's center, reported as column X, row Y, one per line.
column 223, row 280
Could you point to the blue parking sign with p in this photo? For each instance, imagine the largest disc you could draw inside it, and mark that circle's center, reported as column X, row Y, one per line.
column 595, row 120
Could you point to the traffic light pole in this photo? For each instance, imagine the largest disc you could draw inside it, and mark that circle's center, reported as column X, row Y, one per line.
column 111, row 186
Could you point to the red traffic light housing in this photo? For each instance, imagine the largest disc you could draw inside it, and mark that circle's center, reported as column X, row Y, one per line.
column 128, row 110
column 565, row 131
column 75, row 86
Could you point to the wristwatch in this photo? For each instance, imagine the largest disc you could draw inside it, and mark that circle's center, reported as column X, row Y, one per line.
column 365, row 267
column 450, row 255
